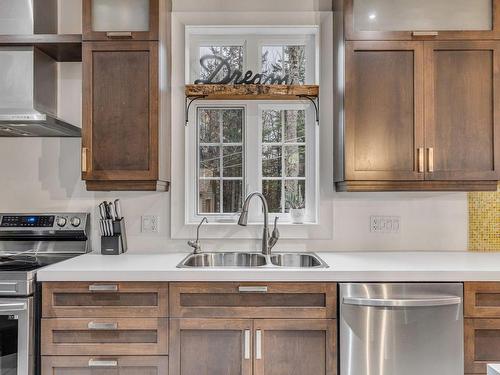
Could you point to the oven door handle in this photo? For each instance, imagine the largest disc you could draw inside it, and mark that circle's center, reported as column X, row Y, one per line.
column 14, row 306
column 402, row 302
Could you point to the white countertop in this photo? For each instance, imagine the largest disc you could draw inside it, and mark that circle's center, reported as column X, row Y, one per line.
column 494, row 369
column 344, row 266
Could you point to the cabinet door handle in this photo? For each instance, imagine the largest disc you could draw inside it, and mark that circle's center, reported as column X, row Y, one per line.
column 258, row 344
column 84, row 159
column 119, row 34
column 421, row 160
column 103, row 288
column 430, row 157
column 102, row 326
column 103, row 363
column 247, row 344
column 252, row 289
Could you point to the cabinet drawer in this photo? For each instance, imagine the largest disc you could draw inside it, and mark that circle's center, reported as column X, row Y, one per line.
column 253, row 300
column 482, row 344
column 482, row 300
column 144, row 336
column 104, row 365
column 75, row 300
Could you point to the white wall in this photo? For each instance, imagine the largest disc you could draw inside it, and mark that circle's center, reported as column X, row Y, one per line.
column 44, row 174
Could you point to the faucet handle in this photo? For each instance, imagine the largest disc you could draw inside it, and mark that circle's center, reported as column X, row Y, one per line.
column 275, row 235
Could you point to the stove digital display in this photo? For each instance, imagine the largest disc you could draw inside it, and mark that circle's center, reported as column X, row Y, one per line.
column 27, row 221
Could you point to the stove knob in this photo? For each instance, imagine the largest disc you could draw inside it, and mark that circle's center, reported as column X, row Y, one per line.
column 61, row 221
column 75, row 221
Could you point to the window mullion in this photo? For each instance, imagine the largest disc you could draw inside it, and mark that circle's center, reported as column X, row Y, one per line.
column 221, row 162
column 283, row 195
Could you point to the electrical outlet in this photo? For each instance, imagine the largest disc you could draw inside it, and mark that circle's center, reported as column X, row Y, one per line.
column 385, row 224
column 150, row 224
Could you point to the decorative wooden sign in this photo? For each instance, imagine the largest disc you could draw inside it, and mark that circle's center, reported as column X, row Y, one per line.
column 236, row 77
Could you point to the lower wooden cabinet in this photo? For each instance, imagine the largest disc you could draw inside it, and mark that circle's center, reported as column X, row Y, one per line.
column 482, row 344
column 105, row 365
column 270, row 346
column 295, row 347
column 117, row 336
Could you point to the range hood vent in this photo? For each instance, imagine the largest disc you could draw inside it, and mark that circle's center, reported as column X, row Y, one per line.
column 28, row 95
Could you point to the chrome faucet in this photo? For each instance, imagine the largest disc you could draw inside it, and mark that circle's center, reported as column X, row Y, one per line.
column 267, row 241
column 196, row 245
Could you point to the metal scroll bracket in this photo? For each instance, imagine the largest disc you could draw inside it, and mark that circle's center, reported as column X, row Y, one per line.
column 315, row 101
column 190, row 100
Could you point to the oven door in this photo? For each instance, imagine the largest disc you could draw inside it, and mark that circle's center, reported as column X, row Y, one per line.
column 16, row 336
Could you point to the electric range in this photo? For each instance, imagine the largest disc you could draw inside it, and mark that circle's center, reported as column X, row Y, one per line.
column 29, row 242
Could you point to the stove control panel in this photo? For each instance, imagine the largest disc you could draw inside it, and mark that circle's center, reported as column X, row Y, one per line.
column 66, row 221
column 28, row 221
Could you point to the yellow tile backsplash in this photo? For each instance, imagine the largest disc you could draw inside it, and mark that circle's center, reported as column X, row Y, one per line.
column 484, row 221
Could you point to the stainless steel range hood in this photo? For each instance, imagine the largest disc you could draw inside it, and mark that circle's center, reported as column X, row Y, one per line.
column 28, row 95
column 28, row 77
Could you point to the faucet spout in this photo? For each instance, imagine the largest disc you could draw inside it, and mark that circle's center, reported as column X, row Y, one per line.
column 267, row 243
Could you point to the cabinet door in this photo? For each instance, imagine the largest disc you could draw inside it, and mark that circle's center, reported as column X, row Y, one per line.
column 384, row 111
column 104, row 365
column 295, row 347
column 462, row 107
column 482, row 344
column 423, row 19
column 120, row 110
column 210, row 347
column 120, row 19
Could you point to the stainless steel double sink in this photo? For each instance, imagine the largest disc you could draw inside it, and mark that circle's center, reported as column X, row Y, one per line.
column 252, row 260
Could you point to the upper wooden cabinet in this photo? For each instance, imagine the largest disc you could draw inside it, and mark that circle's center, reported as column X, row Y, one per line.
column 383, row 106
column 462, row 110
column 120, row 137
column 424, row 19
column 421, row 116
column 120, row 19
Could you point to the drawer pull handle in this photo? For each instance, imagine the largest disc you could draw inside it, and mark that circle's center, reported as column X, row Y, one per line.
column 258, row 344
column 102, row 326
column 103, row 288
column 425, row 33
column 103, row 363
column 119, row 34
column 252, row 289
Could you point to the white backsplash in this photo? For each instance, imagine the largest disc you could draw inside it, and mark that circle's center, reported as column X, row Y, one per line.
column 44, row 174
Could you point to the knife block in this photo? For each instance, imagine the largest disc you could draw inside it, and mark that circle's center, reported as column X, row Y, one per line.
column 116, row 244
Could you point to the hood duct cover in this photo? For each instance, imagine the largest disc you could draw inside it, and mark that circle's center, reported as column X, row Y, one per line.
column 28, row 95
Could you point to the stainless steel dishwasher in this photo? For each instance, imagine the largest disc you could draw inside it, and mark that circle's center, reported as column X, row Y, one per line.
column 396, row 329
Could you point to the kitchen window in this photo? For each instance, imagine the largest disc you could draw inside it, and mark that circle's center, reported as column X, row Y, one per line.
column 237, row 147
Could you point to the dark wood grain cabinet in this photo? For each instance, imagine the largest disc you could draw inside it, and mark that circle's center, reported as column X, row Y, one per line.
column 462, row 110
column 482, row 326
column 118, row 19
column 421, row 116
column 126, row 104
column 102, row 365
column 422, row 20
column 210, row 346
column 253, row 328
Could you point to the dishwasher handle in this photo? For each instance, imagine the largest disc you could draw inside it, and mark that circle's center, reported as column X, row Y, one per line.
column 403, row 302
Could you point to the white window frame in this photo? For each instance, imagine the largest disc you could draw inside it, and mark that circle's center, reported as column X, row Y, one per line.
column 252, row 156
column 252, row 45
column 252, row 40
